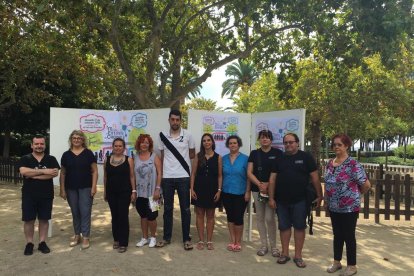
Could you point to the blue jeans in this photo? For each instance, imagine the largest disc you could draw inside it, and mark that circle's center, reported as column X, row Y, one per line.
column 80, row 202
column 182, row 185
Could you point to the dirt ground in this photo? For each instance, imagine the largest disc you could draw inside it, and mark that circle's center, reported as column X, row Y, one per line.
column 383, row 249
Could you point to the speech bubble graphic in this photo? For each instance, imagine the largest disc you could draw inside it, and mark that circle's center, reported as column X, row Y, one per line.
column 92, row 123
column 139, row 120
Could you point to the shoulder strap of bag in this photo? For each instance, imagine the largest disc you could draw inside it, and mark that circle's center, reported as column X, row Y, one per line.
column 175, row 152
column 259, row 163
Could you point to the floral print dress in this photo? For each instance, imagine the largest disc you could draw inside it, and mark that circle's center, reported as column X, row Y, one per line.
column 342, row 186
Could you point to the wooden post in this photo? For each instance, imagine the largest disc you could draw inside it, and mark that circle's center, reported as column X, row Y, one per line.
column 387, row 198
column 381, row 169
column 366, row 205
column 407, row 197
column 378, row 189
column 397, row 181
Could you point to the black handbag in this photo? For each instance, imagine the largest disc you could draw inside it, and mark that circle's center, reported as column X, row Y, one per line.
column 311, row 197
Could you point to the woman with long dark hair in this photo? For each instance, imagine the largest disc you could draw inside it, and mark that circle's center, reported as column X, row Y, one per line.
column 206, row 181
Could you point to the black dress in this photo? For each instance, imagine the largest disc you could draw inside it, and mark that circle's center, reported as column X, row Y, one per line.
column 206, row 183
column 118, row 194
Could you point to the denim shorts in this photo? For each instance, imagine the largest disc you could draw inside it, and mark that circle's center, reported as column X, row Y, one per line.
column 292, row 215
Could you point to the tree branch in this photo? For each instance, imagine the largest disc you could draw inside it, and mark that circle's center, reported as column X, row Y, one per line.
column 241, row 54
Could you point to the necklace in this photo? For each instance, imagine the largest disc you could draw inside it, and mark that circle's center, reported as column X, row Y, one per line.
column 117, row 162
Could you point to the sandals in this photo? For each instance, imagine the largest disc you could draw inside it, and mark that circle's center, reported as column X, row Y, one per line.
column 230, row 247
column 262, row 251
column 237, row 248
column 275, row 252
column 122, row 249
column 210, row 245
column 283, row 259
column 200, row 245
column 334, row 267
column 349, row 271
column 188, row 246
column 299, row 262
column 115, row 245
column 162, row 243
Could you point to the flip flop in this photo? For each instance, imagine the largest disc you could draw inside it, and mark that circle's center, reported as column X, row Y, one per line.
column 283, row 259
column 299, row 262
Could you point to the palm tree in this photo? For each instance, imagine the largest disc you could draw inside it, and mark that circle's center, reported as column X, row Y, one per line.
column 240, row 73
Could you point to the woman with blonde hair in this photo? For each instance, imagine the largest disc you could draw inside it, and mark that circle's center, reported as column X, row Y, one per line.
column 78, row 179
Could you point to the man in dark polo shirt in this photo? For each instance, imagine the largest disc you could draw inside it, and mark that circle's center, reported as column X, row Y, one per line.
column 38, row 170
column 287, row 193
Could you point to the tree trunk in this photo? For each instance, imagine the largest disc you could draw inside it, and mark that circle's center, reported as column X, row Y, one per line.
column 316, row 136
column 377, row 145
column 405, row 140
column 6, row 144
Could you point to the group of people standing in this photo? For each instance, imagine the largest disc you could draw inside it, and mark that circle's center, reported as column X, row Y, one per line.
column 277, row 180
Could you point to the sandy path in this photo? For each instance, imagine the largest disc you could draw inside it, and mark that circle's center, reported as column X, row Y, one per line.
column 385, row 249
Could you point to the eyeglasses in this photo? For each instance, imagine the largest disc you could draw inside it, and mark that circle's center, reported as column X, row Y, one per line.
column 337, row 145
column 77, row 138
column 289, row 142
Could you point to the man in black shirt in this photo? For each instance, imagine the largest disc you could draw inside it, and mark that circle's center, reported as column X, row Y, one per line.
column 38, row 170
column 287, row 189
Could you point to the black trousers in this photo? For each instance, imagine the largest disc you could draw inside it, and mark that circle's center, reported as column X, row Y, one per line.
column 343, row 226
column 119, row 205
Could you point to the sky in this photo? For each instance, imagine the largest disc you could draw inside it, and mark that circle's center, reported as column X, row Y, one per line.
column 212, row 88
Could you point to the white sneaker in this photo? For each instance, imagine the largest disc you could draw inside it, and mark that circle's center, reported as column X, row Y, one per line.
column 142, row 242
column 152, row 242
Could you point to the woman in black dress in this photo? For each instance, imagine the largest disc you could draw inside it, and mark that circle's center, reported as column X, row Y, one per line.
column 119, row 185
column 206, row 181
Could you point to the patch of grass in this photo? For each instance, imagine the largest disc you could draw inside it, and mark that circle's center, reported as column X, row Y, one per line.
column 392, row 160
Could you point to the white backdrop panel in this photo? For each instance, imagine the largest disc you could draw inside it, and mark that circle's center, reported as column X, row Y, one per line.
column 64, row 120
column 280, row 123
column 220, row 125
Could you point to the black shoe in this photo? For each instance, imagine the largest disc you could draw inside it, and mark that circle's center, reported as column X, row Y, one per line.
column 28, row 250
column 43, row 248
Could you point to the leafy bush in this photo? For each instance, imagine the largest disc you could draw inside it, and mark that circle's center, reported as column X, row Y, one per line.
column 393, row 160
column 400, row 151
